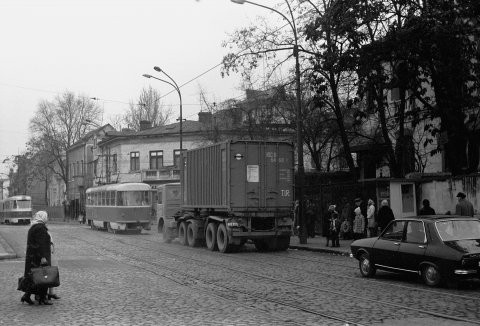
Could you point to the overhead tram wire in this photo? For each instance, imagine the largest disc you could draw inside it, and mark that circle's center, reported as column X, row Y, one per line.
column 127, row 103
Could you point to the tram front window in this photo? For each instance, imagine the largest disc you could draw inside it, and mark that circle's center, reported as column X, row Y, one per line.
column 133, row 198
column 22, row 204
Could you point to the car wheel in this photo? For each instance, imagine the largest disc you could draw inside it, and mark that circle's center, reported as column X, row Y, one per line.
column 431, row 275
column 367, row 269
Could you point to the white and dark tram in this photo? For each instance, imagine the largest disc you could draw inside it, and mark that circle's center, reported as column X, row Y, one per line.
column 120, row 207
column 16, row 210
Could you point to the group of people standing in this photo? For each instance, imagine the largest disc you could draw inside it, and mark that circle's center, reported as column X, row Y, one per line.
column 357, row 222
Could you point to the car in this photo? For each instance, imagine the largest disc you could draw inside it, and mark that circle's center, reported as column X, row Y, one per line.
column 439, row 248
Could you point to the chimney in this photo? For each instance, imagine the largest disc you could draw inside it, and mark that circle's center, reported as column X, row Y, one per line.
column 205, row 117
column 145, row 124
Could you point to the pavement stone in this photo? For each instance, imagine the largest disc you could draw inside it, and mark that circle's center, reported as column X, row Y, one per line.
column 318, row 243
column 6, row 252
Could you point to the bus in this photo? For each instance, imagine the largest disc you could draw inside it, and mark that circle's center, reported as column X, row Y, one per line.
column 16, row 210
column 123, row 207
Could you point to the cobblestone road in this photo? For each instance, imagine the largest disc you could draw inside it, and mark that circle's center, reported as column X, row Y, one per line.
column 112, row 279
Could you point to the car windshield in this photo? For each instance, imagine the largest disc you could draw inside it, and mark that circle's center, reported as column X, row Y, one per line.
column 458, row 229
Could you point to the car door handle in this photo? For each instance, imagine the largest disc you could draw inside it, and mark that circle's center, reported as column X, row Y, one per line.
column 396, row 243
column 423, row 247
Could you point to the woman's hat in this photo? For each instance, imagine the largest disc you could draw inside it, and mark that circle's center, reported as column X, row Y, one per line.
column 461, row 195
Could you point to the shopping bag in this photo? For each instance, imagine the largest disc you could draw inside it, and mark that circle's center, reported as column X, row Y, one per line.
column 24, row 284
column 45, row 276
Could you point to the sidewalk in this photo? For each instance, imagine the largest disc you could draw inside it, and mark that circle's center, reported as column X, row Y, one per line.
column 319, row 244
column 6, row 252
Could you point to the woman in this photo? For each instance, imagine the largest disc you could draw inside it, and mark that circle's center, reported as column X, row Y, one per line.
column 53, row 262
column 384, row 216
column 38, row 253
column 358, row 224
column 371, row 223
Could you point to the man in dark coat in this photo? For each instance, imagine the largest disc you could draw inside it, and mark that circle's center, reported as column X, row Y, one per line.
column 38, row 253
column 464, row 207
column 384, row 215
column 426, row 209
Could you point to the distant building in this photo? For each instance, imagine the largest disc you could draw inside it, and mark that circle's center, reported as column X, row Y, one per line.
column 82, row 159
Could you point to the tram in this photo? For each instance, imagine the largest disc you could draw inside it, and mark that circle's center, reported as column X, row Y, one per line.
column 119, row 207
column 16, row 210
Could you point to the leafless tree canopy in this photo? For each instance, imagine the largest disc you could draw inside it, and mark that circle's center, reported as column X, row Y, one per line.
column 147, row 107
column 57, row 125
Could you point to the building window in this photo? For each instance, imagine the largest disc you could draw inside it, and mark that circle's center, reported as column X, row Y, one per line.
column 156, row 160
column 176, row 157
column 114, row 164
column 134, row 161
column 83, row 168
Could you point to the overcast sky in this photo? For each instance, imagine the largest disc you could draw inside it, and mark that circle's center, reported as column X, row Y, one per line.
column 101, row 48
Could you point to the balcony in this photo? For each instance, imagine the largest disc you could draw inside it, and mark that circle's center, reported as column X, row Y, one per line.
column 167, row 173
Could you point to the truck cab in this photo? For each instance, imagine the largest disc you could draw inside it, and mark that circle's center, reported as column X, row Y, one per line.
column 168, row 204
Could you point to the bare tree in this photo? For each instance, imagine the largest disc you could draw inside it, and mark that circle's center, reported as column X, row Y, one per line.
column 57, row 125
column 147, row 107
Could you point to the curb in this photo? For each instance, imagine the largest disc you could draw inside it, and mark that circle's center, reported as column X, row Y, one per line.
column 8, row 252
column 341, row 253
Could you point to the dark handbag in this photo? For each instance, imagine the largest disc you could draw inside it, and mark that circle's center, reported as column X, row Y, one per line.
column 24, row 284
column 46, row 276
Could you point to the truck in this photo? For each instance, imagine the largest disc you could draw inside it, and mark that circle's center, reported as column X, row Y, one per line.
column 229, row 193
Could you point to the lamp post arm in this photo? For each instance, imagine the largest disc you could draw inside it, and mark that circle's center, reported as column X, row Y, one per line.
column 165, row 81
column 173, row 81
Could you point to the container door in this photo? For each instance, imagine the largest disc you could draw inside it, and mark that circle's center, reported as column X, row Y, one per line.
column 261, row 175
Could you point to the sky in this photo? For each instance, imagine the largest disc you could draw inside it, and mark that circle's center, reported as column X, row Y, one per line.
column 101, row 49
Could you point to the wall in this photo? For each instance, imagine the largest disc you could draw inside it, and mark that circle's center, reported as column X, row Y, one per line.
column 123, row 147
column 402, row 205
column 442, row 193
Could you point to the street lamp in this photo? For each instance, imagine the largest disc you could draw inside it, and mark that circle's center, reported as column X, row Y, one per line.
column 301, row 168
column 175, row 86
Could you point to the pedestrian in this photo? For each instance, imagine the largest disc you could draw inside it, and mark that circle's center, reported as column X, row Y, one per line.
column 371, row 223
column 38, row 254
column 464, row 207
column 426, row 209
column 358, row 224
column 346, row 220
column 363, row 208
column 310, row 215
column 334, row 229
column 384, row 215
column 51, row 291
column 326, row 222
column 296, row 217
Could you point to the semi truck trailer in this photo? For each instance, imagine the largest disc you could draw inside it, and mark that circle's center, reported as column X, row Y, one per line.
column 232, row 192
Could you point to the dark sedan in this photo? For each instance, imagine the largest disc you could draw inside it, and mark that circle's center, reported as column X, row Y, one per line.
column 438, row 248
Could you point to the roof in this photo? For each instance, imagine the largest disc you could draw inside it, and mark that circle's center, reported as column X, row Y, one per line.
column 441, row 217
column 131, row 186
column 89, row 135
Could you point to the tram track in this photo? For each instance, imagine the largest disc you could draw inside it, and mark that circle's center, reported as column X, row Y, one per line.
column 107, row 251
column 328, row 262
column 291, row 283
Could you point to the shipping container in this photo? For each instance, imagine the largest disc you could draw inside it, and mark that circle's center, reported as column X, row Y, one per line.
column 235, row 191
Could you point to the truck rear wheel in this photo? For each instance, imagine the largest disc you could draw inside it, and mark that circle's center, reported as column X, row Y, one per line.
column 222, row 239
column 192, row 235
column 182, row 233
column 211, row 236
